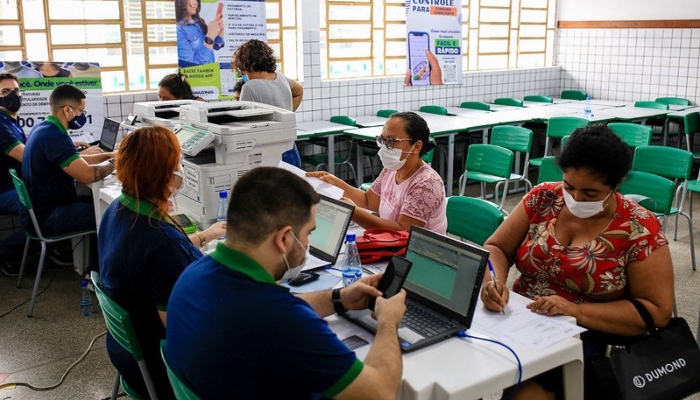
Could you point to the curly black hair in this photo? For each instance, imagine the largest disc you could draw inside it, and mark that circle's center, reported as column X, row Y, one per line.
column 598, row 149
column 255, row 56
column 416, row 127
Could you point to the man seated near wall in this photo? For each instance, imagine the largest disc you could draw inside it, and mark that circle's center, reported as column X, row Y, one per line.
column 51, row 164
column 233, row 332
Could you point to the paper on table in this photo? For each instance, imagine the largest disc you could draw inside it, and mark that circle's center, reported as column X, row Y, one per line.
column 320, row 186
column 521, row 325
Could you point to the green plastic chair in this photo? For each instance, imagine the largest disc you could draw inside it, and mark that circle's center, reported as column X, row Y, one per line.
column 651, row 104
column 557, row 128
column 632, row 134
column 549, row 171
column 488, row 163
column 651, row 191
column 519, row 140
column 541, row 99
column 386, row 113
column 182, row 392
column 23, row 195
column 691, row 126
column 674, row 164
column 320, row 160
column 472, row 219
column 508, row 101
column 673, row 100
column 121, row 327
column 574, row 95
column 475, row 105
column 434, row 110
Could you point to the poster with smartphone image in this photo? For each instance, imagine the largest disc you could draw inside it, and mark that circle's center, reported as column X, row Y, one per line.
column 434, row 42
column 208, row 31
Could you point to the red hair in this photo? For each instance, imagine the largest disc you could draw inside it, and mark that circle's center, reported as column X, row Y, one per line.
column 145, row 163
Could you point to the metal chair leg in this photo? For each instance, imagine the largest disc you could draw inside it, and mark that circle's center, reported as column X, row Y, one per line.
column 30, row 313
column 115, row 388
column 24, row 261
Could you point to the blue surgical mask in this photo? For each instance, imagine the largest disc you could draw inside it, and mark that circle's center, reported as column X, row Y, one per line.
column 244, row 77
column 78, row 121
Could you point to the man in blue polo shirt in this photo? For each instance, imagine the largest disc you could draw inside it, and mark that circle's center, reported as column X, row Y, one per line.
column 12, row 141
column 51, row 165
column 232, row 332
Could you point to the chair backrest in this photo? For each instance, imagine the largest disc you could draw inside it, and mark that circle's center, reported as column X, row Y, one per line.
column 669, row 162
column 541, row 99
column 434, row 110
column 632, row 134
column 508, row 101
column 117, row 319
column 651, row 104
column 386, row 113
column 490, row 159
column 22, row 191
column 476, row 105
column 673, row 100
column 344, row 119
column 428, row 157
column 512, row 137
column 691, row 123
column 549, row 171
column 472, row 219
column 182, row 392
column 574, row 95
column 558, row 127
column 655, row 192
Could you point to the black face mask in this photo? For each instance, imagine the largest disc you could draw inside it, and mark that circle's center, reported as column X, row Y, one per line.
column 12, row 102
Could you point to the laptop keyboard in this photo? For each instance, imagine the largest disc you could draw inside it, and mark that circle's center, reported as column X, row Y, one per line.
column 425, row 322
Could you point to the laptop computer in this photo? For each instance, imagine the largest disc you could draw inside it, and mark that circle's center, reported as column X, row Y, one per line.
column 442, row 289
column 108, row 138
column 332, row 221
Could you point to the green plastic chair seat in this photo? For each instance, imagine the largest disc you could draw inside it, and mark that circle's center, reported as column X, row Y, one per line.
column 483, row 177
column 651, row 104
column 537, row 162
column 673, row 100
column 632, row 134
column 182, row 392
column 540, row 99
column 508, row 101
column 472, row 219
column 344, row 119
column 434, row 110
column 475, row 105
column 574, row 95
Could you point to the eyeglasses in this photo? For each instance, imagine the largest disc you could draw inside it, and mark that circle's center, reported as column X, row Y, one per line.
column 83, row 111
column 389, row 142
column 5, row 92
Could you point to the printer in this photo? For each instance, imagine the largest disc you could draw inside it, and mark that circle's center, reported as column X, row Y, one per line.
column 220, row 142
column 163, row 113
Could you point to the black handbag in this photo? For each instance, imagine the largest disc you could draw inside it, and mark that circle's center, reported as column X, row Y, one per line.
column 663, row 364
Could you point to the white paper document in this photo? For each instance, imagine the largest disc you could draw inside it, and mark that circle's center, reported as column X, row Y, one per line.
column 521, row 325
column 320, row 186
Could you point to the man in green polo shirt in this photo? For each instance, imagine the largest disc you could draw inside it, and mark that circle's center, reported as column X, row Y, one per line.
column 233, row 332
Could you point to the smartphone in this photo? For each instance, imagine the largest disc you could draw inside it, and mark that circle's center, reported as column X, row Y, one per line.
column 418, row 44
column 303, row 278
column 394, row 276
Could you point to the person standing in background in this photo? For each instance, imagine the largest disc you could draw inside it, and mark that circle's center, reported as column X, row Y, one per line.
column 256, row 63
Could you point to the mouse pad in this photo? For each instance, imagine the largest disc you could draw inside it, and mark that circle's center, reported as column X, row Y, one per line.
column 325, row 281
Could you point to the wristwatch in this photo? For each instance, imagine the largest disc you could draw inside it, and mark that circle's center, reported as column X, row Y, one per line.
column 208, row 40
column 338, row 303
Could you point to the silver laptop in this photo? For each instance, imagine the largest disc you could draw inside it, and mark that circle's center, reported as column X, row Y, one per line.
column 442, row 289
column 332, row 221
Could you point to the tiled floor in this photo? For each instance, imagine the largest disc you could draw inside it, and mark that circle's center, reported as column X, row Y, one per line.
column 38, row 350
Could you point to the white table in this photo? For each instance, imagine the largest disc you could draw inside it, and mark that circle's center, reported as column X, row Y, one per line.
column 370, row 120
column 465, row 112
column 470, row 369
column 325, row 129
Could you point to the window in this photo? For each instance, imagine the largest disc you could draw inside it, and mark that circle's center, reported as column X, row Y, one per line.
column 133, row 40
column 362, row 38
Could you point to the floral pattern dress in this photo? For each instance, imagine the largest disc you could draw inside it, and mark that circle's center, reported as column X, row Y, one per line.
column 595, row 272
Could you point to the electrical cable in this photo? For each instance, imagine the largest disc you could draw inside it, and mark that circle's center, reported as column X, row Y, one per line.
column 45, row 388
column 37, row 295
column 520, row 365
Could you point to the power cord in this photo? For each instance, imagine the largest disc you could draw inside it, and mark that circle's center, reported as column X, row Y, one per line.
column 37, row 295
column 520, row 365
column 60, row 382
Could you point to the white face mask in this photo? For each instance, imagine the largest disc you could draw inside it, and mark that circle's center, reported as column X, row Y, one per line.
column 175, row 190
column 391, row 159
column 584, row 209
column 292, row 273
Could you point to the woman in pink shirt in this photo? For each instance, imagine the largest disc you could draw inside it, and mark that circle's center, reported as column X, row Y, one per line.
column 408, row 191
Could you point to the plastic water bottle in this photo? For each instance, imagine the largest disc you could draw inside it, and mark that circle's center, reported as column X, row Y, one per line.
column 588, row 110
column 223, row 206
column 352, row 267
column 85, row 299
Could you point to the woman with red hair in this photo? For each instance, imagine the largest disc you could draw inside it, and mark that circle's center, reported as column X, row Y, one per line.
column 143, row 250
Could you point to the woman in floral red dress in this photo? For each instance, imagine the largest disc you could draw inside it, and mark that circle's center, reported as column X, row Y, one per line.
column 582, row 249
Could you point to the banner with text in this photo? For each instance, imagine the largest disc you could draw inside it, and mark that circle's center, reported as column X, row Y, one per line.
column 37, row 79
column 207, row 36
column 434, row 42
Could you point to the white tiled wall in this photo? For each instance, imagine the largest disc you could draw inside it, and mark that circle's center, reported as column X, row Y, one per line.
column 358, row 97
column 631, row 64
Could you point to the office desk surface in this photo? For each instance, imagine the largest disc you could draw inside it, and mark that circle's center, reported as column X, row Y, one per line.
column 581, row 105
column 303, row 135
column 631, row 113
column 370, row 120
column 470, row 369
column 465, row 112
column 610, row 103
column 502, row 107
column 683, row 113
column 528, row 103
column 322, row 128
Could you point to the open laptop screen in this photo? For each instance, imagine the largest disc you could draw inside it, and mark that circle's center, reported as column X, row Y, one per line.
column 332, row 219
column 110, row 131
column 446, row 273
